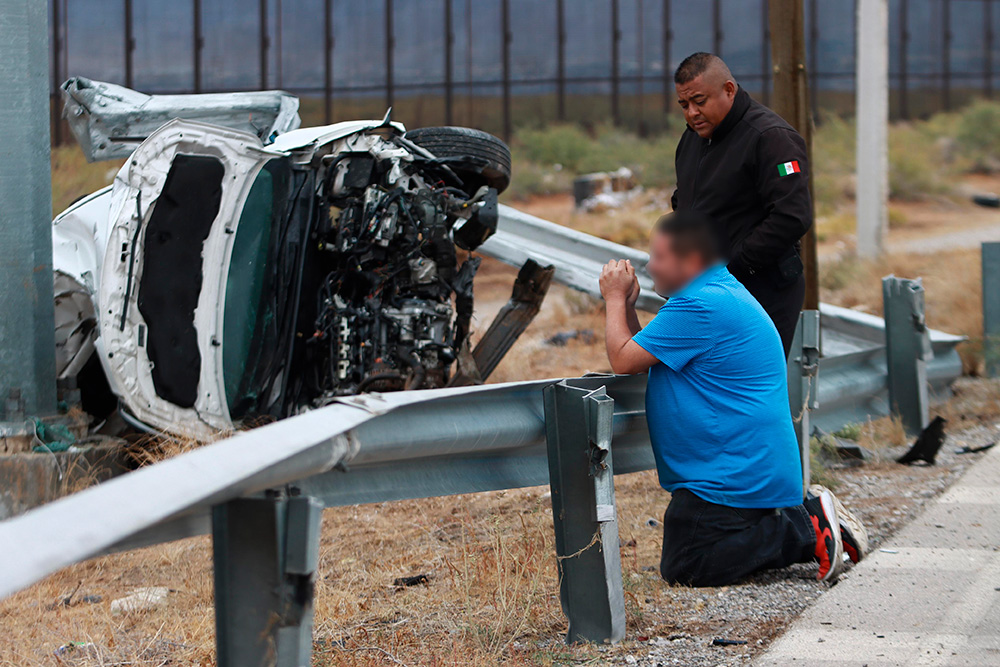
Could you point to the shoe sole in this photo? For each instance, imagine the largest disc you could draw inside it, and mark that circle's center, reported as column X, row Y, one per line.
column 850, row 522
column 826, row 499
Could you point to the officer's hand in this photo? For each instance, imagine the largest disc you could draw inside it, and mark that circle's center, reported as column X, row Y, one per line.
column 616, row 281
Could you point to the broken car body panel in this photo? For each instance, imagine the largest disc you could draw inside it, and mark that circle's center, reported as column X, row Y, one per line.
column 172, row 221
column 110, row 121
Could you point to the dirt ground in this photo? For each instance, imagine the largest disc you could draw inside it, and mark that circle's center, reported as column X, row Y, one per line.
column 491, row 594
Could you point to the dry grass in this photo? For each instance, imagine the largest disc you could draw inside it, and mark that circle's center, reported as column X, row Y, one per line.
column 951, row 284
column 492, row 594
column 73, row 177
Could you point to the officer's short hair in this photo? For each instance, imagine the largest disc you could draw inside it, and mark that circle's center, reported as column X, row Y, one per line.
column 691, row 231
column 696, row 64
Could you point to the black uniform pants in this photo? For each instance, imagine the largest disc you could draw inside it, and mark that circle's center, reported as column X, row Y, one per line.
column 705, row 544
column 782, row 304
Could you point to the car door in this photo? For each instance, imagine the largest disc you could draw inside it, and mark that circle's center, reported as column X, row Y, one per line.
column 176, row 209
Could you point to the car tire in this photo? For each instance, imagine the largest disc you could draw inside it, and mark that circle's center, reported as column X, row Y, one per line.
column 459, row 142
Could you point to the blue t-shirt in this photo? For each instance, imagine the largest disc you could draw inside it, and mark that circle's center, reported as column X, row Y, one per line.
column 717, row 404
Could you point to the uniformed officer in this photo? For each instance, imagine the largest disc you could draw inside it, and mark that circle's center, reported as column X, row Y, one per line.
column 743, row 166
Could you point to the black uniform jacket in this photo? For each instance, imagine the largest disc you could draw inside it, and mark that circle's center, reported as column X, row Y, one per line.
column 751, row 178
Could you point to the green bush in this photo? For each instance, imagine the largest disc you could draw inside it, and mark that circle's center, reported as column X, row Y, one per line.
column 977, row 135
column 570, row 151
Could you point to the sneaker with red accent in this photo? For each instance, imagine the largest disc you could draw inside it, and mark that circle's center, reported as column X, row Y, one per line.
column 829, row 543
column 852, row 531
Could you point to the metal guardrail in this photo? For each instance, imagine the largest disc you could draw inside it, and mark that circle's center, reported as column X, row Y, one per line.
column 260, row 492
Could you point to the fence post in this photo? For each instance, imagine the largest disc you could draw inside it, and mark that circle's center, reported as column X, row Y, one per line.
column 991, row 308
column 803, row 382
column 578, row 425
column 907, row 349
column 265, row 557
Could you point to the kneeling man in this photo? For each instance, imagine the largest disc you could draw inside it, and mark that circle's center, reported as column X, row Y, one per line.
column 719, row 419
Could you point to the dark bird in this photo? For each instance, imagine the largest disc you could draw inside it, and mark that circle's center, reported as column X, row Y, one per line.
column 927, row 445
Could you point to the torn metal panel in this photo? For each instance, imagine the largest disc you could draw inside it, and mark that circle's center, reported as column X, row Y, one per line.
column 577, row 257
column 530, row 288
column 110, row 121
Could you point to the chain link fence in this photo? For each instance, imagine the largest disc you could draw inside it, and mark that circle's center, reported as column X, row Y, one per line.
column 502, row 64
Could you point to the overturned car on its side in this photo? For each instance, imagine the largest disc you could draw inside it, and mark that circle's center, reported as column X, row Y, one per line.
column 241, row 267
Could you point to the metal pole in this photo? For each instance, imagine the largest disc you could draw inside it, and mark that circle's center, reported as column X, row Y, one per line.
column 129, row 43
column 803, row 383
column 907, row 349
column 615, row 74
column 668, row 77
column 578, row 426
column 904, row 45
column 991, row 308
column 199, row 45
column 505, row 27
column 946, row 53
column 27, row 339
column 278, row 47
column 765, row 54
column 449, row 45
column 56, row 72
column 813, row 54
column 717, row 27
column 265, row 44
column 873, row 126
column 561, row 60
column 988, row 48
column 265, row 553
column 390, row 43
column 328, row 61
column 641, row 59
column 791, row 101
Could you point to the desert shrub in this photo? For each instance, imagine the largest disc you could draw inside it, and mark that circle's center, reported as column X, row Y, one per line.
column 575, row 152
column 916, row 164
column 977, row 135
column 564, row 145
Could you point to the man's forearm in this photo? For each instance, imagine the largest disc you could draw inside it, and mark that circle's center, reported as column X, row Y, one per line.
column 621, row 323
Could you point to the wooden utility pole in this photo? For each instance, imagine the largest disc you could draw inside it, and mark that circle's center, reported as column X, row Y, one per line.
column 790, row 100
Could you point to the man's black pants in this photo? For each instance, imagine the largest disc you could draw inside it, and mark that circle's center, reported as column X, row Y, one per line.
column 705, row 544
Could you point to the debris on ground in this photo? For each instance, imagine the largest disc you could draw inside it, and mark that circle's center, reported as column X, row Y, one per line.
column 605, row 190
column 415, row 580
column 927, row 445
column 974, row 450
column 71, row 599
column 841, row 451
column 586, row 336
column 141, row 599
column 719, row 641
column 989, row 200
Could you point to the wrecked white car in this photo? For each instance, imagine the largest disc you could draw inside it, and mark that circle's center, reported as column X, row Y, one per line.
column 244, row 268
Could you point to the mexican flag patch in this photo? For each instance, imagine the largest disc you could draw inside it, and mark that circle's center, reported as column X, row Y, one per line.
column 788, row 168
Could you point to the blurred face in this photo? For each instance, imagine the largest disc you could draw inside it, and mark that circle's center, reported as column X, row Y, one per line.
column 705, row 100
column 670, row 270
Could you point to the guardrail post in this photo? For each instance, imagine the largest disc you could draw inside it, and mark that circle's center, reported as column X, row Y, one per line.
column 803, row 382
column 991, row 308
column 578, row 425
column 907, row 349
column 265, row 556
